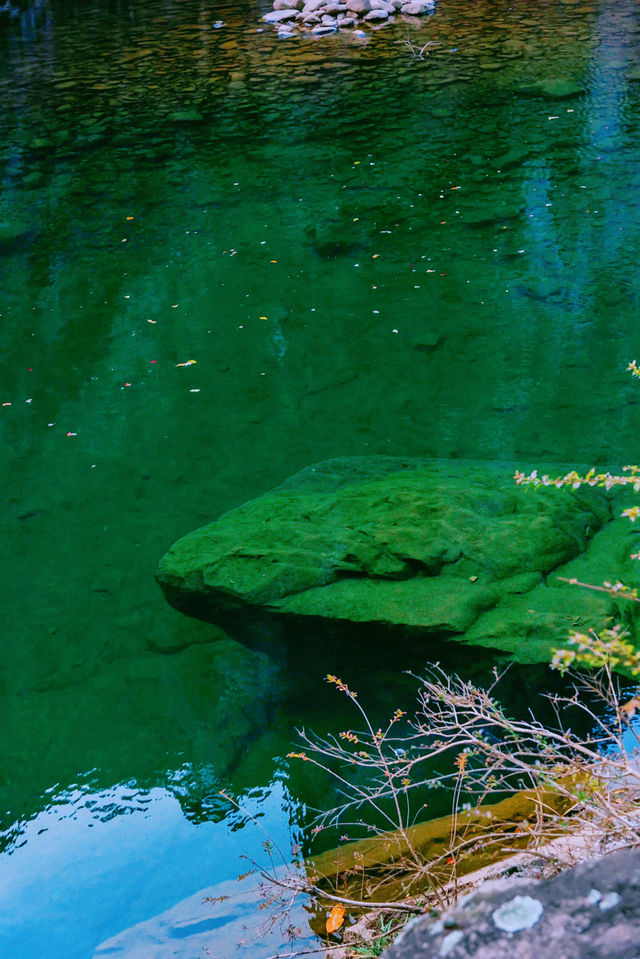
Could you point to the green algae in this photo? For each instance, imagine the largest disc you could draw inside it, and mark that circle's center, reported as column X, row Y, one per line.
column 443, row 549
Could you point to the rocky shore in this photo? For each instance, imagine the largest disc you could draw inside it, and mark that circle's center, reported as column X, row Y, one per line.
column 589, row 912
column 326, row 16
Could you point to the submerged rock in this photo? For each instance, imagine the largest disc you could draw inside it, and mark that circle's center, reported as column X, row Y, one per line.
column 185, row 116
column 442, row 548
column 553, row 88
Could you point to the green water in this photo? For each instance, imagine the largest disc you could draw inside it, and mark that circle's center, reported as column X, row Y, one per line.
column 362, row 252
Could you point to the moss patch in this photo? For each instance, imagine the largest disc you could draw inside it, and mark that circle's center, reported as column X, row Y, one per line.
column 446, row 548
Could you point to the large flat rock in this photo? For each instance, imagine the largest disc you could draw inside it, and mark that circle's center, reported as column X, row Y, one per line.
column 442, row 548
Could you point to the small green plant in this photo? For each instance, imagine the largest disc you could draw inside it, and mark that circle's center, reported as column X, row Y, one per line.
column 384, row 937
column 608, row 650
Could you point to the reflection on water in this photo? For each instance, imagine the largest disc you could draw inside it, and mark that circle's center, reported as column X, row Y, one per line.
column 362, row 252
column 98, row 861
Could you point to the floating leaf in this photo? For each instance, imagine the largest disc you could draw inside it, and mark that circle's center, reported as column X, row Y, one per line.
column 336, row 918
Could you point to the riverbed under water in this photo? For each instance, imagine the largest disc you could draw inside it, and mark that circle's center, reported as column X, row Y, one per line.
column 224, row 256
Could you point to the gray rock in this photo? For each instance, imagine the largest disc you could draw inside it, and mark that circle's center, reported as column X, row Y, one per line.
column 562, row 918
column 310, row 19
column 418, row 8
column 280, row 16
column 346, row 22
column 444, row 548
column 287, row 4
column 334, row 8
column 329, row 21
column 323, row 28
column 359, row 6
column 312, row 6
column 377, row 14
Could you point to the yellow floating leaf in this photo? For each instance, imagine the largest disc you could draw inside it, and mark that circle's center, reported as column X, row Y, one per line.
column 188, row 363
column 336, row 918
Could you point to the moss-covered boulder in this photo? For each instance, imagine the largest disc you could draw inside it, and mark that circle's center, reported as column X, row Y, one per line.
column 445, row 548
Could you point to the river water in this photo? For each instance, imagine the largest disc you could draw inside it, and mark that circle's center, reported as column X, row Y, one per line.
column 224, row 256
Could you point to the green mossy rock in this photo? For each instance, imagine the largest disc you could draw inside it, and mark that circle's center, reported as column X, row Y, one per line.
column 440, row 548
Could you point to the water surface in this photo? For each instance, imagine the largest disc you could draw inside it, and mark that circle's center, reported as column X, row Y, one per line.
column 363, row 252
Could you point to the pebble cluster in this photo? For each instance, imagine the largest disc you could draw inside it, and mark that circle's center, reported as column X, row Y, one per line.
column 327, row 16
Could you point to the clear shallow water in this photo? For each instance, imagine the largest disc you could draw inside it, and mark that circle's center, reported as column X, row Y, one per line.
column 364, row 253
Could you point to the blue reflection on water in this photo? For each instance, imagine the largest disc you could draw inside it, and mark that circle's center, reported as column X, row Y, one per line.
column 71, row 886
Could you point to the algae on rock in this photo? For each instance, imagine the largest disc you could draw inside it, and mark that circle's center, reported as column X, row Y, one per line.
column 440, row 547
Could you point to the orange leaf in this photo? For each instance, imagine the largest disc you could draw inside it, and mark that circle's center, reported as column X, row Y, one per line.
column 335, row 920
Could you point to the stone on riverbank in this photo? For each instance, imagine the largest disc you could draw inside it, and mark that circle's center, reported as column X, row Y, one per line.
column 440, row 548
column 376, row 14
column 589, row 912
column 418, row 8
column 358, row 11
column 280, row 16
